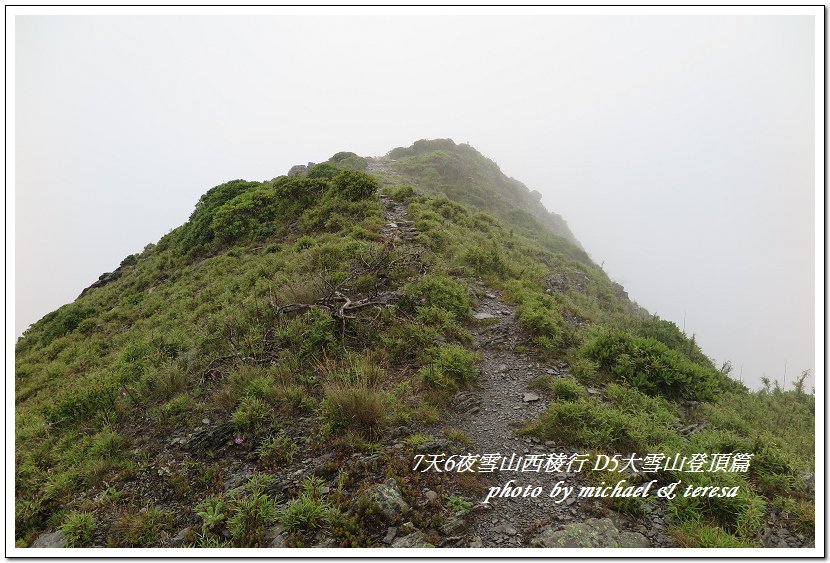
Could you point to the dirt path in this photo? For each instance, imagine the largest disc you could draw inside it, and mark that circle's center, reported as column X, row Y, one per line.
column 499, row 404
column 492, row 412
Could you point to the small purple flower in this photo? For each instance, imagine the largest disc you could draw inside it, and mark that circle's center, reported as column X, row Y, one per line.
column 123, row 393
column 238, row 440
column 423, row 299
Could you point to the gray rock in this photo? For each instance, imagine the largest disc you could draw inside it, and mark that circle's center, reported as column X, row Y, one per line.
column 431, row 496
column 530, row 397
column 452, row 525
column 52, row 539
column 415, row 539
column 476, row 542
column 185, row 535
column 211, row 438
column 390, row 535
column 103, row 279
column 320, row 465
column 238, row 478
column 809, row 480
column 388, row 500
column 434, row 444
column 296, row 170
column 323, row 540
column 481, row 316
column 506, row 529
column 594, row 532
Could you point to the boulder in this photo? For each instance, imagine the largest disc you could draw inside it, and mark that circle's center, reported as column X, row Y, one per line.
column 594, row 532
column 184, row 536
column 52, row 539
column 415, row 539
column 388, row 500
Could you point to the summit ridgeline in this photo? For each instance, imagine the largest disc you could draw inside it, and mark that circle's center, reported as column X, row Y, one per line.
column 404, row 351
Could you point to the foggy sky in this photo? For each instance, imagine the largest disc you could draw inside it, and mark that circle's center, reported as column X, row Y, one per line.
column 679, row 149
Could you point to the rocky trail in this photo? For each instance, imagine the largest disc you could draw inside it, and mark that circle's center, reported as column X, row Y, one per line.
column 492, row 413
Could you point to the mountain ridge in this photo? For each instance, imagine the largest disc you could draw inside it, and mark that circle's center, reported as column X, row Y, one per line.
column 265, row 373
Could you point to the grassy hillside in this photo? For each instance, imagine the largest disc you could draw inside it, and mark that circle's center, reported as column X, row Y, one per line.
column 268, row 364
column 461, row 173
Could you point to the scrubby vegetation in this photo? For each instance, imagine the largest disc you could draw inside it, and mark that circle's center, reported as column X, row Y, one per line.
column 774, row 426
column 284, row 320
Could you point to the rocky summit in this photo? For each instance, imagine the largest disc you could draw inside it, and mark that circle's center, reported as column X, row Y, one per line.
column 406, row 352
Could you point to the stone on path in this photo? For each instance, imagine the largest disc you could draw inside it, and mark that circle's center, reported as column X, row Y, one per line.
column 594, row 532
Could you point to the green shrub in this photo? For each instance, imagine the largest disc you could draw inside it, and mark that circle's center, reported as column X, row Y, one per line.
column 353, row 185
column 456, row 362
column 77, row 528
column 443, row 321
column 309, row 511
column 291, row 398
column 323, row 171
column 213, row 512
column 64, row 320
column 566, row 389
column 540, row 315
column 741, row 516
column 309, row 335
column 457, row 435
column 86, row 401
column 252, row 515
column 245, row 214
column 252, row 415
column 342, row 156
column 297, row 193
column 304, row 242
column 178, row 408
column 435, row 290
column 650, row 365
column 459, row 505
column 486, row 259
column 401, row 193
column 197, row 231
column 354, row 162
column 404, row 342
column 632, row 422
column 277, row 449
column 449, row 367
column 694, row 533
